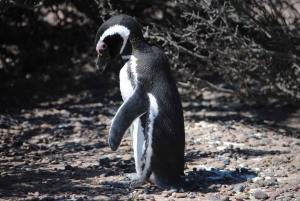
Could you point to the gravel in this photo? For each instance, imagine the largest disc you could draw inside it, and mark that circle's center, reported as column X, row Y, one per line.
column 60, row 152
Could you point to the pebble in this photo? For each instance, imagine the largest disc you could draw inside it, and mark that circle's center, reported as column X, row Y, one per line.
column 241, row 196
column 191, row 195
column 36, row 194
column 238, row 188
column 149, row 197
column 170, row 192
column 214, row 197
column 104, row 162
column 274, row 195
column 28, row 169
column 68, row 167
column 181, row 195
column 259, row 194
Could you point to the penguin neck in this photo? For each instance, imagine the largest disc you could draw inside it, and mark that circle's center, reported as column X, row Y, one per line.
column 137, row 43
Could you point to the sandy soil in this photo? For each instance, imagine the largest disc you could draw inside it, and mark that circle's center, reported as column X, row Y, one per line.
column 56, row 149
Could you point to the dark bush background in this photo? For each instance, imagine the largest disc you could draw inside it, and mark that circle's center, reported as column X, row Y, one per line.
column 247, row 48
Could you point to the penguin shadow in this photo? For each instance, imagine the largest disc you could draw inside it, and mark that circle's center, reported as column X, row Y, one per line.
column 211, row 180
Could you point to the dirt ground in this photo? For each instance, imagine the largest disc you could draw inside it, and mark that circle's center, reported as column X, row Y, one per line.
column 53, row 144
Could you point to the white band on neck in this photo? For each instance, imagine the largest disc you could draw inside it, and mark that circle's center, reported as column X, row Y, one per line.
column 116, row 29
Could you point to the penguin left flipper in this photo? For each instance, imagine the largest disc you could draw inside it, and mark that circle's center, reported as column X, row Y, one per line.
column 135, row 106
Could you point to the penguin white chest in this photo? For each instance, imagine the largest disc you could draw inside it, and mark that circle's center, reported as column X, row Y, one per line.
column 125, row 83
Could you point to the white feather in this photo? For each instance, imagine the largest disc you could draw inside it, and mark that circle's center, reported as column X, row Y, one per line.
column 133, row 62
column 153, row 111
column 138, row 141
column 125, row 84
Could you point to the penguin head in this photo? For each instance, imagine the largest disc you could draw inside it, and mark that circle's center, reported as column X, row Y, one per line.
column 114, row 38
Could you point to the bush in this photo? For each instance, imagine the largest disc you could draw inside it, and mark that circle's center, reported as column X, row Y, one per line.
column 249, row 48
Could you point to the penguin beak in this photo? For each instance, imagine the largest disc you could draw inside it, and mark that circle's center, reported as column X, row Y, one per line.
column 102, row 61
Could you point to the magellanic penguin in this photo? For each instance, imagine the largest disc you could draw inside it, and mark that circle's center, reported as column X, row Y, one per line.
column 152, row 108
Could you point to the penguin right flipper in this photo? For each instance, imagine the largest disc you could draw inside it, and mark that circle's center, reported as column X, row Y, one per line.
column 135, row 106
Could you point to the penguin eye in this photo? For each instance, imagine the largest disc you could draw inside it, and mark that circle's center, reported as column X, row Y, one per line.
column 104, row 46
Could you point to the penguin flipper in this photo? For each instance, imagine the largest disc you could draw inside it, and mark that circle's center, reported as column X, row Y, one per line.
column 135, row 106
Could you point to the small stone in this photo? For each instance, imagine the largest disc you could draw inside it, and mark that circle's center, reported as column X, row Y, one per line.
column 149, row 197
column 224, row 198
column 105, row 162
column 274, row 195
column 181, row 195
column 242, row 138
column 259, row 194
column 238, row 188
column 214, row 197
column 220, row 166
column 36, row 194
column 241, row 196
column 174, row 195
column 76, row 129
column 65, row 113
column 28, row 169
column 141, row 197
column 170, row 192
column 140, row 191
column 181, row 190
column 191, row 195
column 78, row 163
column 68, row 167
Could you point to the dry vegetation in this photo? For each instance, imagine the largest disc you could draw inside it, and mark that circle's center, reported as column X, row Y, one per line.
column 249, row 48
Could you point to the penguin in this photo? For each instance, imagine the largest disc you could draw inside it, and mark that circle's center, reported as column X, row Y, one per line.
column 152, row 107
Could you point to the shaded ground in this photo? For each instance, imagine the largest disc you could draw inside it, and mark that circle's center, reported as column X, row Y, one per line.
column 53, row 144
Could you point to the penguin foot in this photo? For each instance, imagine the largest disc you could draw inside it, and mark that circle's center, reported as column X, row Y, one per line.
column 134, row 180
column 133, row 183
column 179, row 184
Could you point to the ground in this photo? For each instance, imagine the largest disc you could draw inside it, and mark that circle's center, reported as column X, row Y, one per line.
column 53, row 144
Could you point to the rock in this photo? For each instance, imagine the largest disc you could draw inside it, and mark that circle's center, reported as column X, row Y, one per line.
column 290, row 195
column 170, row 192
column 68, row 167
column 36, row 194
column 242, row 139
column 274, row 195
column 214, row 197
column 105, row 162
column 181, row 195
column 149, row 197
column 28, row 169
column 191, row 195
column 224, row 198
column 238, row 188
column 259, row 194
column 65, row 113
column 241, row 196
